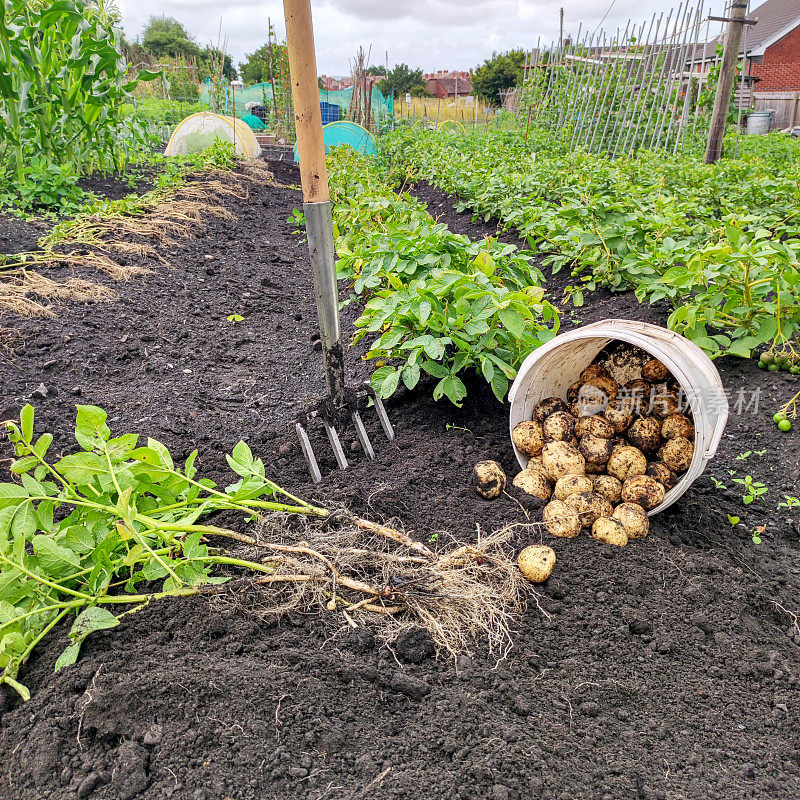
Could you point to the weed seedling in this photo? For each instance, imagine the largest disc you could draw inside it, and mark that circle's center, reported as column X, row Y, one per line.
column 234, row 318
column 752, row 489
column 717, row 483
column 789, row 502
column 734, row 521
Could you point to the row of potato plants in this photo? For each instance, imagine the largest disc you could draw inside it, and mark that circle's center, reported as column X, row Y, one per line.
column 435, row 302
column 720, row 242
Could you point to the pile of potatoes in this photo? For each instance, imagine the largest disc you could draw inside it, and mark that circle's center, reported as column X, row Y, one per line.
column 606, row 454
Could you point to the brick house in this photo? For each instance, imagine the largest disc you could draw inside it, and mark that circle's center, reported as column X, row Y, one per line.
column 773, row 59
column 447, row 84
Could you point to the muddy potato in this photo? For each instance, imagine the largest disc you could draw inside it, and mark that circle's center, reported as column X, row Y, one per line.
column 536, row 562
column 544, row 408
column 626, row 462
column 662, row 473
column 608, row 486
column 654, row 371
column 561, row 520
column 633, row 518
column 677, row 425
column 596, row 425
column 665, row 403
column 677, row 453
column 594, row 371
column 608, row 386
column 595, row 449
column 528, row 437
column 591, row 400
column 534, row 483
column 572, row 392
column 589, row 506
column 645, row 433
column 490, row 480
column 559, row 427
column 644, row 491
column 535, row 463
column 619, row 415
column 637, row 395
column 609, row 531
column 571, row 484
column 562, row 458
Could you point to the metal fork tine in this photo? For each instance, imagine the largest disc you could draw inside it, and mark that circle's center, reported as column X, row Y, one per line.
column 333, row 437
column 383, row 417
column 308, row 452
column 361, row 433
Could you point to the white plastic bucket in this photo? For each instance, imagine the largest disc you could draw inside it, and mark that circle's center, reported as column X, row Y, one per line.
column 555, row 366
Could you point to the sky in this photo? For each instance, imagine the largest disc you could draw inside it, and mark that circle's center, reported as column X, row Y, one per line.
column 431, row 34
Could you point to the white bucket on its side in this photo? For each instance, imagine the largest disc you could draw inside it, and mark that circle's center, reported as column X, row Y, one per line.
column 555, row 366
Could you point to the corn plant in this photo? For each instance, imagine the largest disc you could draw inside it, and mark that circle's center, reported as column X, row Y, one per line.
column 62, row 89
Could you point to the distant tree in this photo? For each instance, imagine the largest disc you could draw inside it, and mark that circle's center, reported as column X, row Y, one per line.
column 373, row 70
column 210, row 56
column 402, row 79
column 165, row 36
column 256, row 67
column 420, row 91
column 501, row 71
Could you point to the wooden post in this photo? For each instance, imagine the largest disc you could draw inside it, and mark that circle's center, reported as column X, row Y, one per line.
column 305, row 94
column 727, row 73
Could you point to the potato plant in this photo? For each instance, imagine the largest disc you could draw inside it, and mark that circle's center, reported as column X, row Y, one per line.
column 720, row 242
column 435, row 302
column 93, row 531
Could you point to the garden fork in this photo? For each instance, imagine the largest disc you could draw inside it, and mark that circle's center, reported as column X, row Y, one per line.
column 317, row 209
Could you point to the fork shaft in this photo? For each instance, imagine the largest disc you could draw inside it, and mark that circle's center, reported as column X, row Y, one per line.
column 319, row 229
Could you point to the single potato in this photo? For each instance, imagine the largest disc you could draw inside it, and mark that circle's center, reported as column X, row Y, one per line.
column 677, row 425
column 619, row 415
column 608, row 486
column 544, row 408
column 662, row 473
column 609, row 531
column 677, row 453
column 594, row 371
column 626, row 462
column 654, row 371
column 535, row 463
column 665, row 403
column 645, row 433
column 633, row 518
column 596, row 425
column 562, row 458
column 490, row 480
column 589, row 506
column 528, row 437
column 561, row 520
column 559, row 427
column 595, row 449
column 571, row 484
column 536, row 562
column 534, row 483
column 644, row 491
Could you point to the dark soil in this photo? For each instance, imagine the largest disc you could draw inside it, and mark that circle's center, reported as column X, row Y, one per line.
column 665, row 670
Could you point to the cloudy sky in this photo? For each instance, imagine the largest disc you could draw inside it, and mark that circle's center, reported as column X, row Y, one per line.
column 432, row 34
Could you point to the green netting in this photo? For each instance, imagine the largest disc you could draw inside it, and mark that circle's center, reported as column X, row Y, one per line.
column 253, row 121
column 235, row 102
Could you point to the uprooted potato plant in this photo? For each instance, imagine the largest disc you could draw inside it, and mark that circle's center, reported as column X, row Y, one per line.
column 99, row 533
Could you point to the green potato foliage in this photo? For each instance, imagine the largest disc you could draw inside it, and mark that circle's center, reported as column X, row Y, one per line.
column 82, row 534
column 720, row 242
column 435, row 303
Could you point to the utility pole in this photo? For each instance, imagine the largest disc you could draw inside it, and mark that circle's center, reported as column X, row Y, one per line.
column 727, row 74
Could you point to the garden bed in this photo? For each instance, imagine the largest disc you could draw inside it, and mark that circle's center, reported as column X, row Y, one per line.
column 661, row 670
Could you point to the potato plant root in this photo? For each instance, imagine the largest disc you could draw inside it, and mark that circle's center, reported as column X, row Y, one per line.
column 666, row 670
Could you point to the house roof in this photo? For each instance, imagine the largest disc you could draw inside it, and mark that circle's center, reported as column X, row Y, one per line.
column 774, row 19
column 450, row 85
